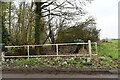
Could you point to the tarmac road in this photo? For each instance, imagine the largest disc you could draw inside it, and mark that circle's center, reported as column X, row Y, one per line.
column 46, row 75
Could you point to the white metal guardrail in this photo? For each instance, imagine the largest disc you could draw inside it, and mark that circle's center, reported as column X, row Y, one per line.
column 57, row 50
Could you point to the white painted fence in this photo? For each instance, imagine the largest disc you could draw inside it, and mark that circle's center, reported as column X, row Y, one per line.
column 57, row 50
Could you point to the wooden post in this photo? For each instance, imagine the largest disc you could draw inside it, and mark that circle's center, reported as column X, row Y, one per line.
column 28, row 51
column 89, row 45
column 96, row 47
column 57, row 48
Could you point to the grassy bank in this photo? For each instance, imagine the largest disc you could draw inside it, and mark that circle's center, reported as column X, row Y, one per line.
column 109, row 49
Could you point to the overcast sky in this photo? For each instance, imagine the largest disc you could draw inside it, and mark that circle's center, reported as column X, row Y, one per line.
column 106, row 14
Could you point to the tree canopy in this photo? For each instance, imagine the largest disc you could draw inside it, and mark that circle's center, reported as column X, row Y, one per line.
column 45, row 21
column 84, row 31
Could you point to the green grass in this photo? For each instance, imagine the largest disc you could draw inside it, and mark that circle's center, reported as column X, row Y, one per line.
column 109, row 49
column 30, row 61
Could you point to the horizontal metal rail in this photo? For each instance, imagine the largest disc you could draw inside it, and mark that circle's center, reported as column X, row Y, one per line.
column 49, row 44
column 13, row 46
column 47, row 56
column 56, row 44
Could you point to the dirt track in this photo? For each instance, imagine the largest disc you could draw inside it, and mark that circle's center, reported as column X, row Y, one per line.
column 45, row 75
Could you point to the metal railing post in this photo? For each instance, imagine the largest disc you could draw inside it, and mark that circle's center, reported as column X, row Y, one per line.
column 57, row 49
column 3, row 59
column 96, row 47
column 28, row 51
column 90, row 51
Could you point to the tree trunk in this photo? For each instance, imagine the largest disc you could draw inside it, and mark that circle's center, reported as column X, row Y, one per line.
column 10, row 17
column 29, row 31
column 38, row 26
column 23, row 37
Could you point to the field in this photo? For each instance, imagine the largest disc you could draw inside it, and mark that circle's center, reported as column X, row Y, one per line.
column 107, row 58
column 109, row 49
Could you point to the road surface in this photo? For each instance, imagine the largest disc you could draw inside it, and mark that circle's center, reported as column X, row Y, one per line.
column 46, row 75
